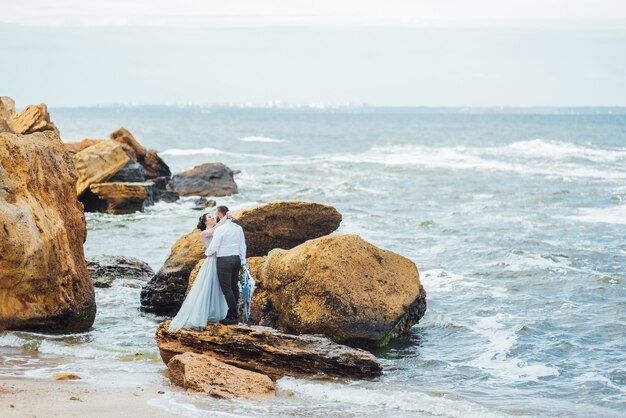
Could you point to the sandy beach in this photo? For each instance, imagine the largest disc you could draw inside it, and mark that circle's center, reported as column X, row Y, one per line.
column 28, row 397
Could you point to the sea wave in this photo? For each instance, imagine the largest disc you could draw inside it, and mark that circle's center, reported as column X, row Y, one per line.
column 192, row 151
column 262, row 139
column 612, row 215
column 527, row 157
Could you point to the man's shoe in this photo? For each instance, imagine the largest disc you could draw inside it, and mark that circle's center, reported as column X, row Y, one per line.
column 229, row 321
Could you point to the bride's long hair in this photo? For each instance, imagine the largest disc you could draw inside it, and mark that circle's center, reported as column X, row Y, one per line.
column 202, row 222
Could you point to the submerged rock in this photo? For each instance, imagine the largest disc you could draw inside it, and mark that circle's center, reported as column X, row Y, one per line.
column 201, row 373
column 104, row 269
column 165, row 291
column 270, row 352
column 340, row 286
column 97, row 163
column 209, row 179
column 118, row 198
column 285, row 224
column 44, row 282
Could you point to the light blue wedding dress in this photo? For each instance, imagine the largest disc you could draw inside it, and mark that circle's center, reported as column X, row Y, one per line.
column 205, row 302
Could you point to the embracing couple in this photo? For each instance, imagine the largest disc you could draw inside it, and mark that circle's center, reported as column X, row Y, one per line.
column 214, row 295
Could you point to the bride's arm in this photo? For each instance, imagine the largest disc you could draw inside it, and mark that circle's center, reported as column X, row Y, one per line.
column 208, row 233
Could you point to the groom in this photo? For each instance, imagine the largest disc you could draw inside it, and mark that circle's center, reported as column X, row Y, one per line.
column 229, row 246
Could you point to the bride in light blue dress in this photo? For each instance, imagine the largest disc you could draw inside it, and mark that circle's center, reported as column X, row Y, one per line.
column 205, row 302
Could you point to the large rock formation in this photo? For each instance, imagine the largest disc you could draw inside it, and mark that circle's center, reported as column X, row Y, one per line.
column 340, row 286
column 105, row 269
column 285, row 225
column 132, row 172
column 153, row 165
column 210, row 179
column 35, row 118
column 118, row 198
column 44, row 283
column 201, row 373
column 267, row 351
column 75, row 147
column 165, row 292
column 97, row 163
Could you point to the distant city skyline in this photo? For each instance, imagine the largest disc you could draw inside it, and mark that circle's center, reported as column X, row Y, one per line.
column 392, row 53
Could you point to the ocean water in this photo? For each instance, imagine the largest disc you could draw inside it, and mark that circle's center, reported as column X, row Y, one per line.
column 516, row 219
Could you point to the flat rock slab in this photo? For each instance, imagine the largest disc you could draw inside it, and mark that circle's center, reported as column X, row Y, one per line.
column 267, row 351
column 104, row 269
column 202, row 373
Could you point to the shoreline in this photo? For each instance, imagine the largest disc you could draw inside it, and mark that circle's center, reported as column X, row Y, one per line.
column 40, row 397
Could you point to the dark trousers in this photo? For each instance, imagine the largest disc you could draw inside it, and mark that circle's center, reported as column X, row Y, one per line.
column 228, row 275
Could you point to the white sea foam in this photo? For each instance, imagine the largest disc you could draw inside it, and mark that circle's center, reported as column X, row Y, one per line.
column 387, row 399
column 495, row 358
column 495, row 159
column 612, row 215
column 563, row 150
column 262, row 139
column 191, row 151
column 11, row 340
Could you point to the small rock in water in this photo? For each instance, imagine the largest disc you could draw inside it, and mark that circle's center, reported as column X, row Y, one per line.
column 104, row 269
column 75, row 398
column 203, row 203
column 66, row 376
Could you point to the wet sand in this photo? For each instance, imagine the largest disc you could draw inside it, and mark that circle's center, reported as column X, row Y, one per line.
column 29, row 397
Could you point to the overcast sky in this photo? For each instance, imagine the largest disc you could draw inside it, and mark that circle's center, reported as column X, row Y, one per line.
column 393, row 52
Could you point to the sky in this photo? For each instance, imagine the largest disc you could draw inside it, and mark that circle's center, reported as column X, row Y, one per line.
column 255, row 52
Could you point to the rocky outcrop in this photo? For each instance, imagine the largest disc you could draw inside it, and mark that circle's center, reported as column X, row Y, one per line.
column 35, row 118
column 165, row 292
column 161, row 193
column 153, row 165
column 285, row 225
column 201, row 373
column 118, row 198
column 210, row 179
column 267, row 351
column 97, row 163
column 44, row 282
column 7, row 110
column 340, row 286
column 105, row 269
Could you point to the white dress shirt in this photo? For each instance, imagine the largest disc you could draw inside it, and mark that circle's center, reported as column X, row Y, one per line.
column 228, row 240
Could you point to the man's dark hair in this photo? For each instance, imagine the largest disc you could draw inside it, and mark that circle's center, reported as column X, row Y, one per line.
column 222, row 209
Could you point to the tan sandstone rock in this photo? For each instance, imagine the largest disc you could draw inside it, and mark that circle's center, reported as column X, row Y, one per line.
column 202, row 373
column 97, row 163
column 153, row 165
column 44, row 283
column 35, row 118
column 267, row 351
column 285, row 224
column 119, row 198
column 165, row 292
column 340, row 286
column 75, row 147
column 7, row 110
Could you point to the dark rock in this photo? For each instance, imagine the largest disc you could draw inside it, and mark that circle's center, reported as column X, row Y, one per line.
column 132, row 172
column 104, row 269
column 267, row 351
column 210, row 179
column 160, row 191
column 153, row 165
column 204, row 203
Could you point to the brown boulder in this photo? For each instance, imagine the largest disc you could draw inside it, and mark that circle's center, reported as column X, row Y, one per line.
column 35, row 118
column 118, row 198
column 340, row 286
column 285, row 224
column 97, row 163
column 201, row 373
column 44, row 283
column 267, row 351
column 209, row 179
column 153, row 165
column 165, row 291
